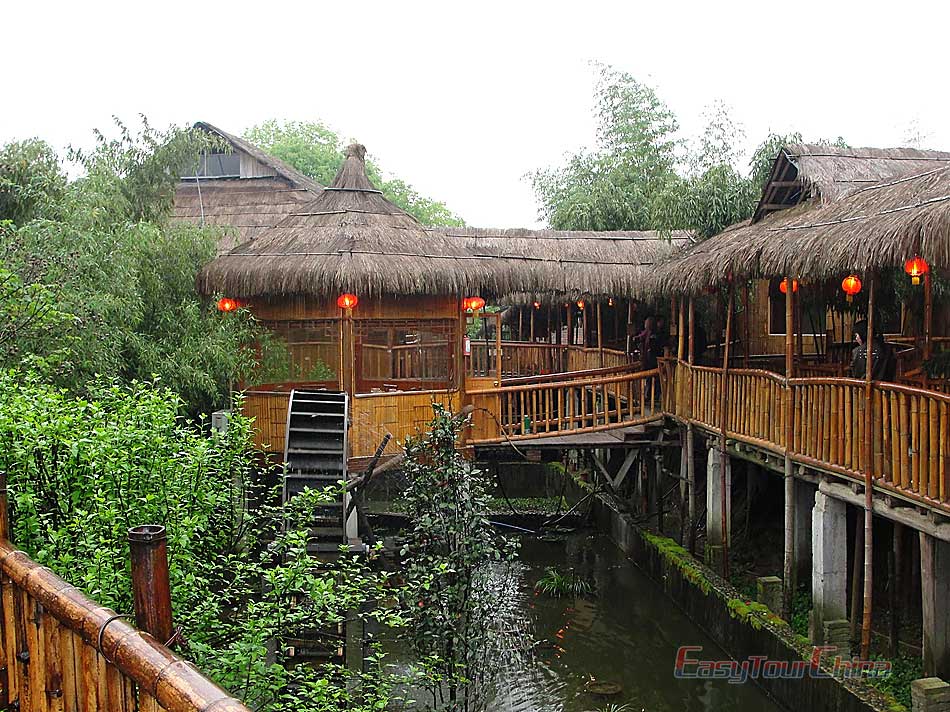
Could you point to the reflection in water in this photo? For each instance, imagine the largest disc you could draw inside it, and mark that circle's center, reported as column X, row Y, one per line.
column 625, row 633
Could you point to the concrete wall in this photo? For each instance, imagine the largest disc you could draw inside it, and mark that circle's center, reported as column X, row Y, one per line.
column 737, row 636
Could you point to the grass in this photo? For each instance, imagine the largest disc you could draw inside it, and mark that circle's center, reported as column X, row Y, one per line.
column 556, row 584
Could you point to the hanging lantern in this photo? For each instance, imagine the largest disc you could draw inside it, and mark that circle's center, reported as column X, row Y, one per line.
column 610, row 302
column 916, row 268
column 347, row 301
column 537, row 305
column 472, row 303
column 580, row 303
column 851, row 285
column 783, row 286
column 226, row 304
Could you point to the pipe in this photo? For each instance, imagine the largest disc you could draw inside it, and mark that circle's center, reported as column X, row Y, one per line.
column 151, row 591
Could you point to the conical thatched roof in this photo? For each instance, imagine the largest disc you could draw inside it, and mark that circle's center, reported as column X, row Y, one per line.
column 871, row 227
column 349, row 238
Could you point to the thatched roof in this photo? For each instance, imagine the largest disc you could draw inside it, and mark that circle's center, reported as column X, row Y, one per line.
column 348, row 238
column 244, row 206
column 284, row 170
column 828, row 173
column 351, row 238
column 874, row 226
column 568, row 264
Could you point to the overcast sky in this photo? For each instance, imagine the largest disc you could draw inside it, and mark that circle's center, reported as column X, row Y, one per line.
column 463, row 99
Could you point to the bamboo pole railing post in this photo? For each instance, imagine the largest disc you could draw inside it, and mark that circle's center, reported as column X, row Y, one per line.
column 788, row 573
column 681, row 331
column 629, row 324
column 520, row 323
column 570, row 323
column 150, row 586
column 531, row 324
column 584, row 311
column 868, row 479
column 690, row 444
column 498, row 365
column 723, row 453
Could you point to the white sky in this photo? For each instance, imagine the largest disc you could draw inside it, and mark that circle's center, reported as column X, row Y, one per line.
column 462, row 100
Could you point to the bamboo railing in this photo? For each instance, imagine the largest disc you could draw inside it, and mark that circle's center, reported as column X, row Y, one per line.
column 522, row 358
column 61, row 651
column 564, row 407
column 910, row 430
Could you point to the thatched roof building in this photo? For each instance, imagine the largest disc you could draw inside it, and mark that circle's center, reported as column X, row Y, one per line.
column 350, row 237
column 856, row 209
column 246, row 191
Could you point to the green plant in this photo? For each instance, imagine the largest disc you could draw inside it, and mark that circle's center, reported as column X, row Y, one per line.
column 904, row 670
column 81, row 471
column 556, row 584
column 457, row 570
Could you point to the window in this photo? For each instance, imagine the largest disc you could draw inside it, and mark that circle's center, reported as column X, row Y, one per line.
column 215, row 165
column 405, row 354
column 814, row 316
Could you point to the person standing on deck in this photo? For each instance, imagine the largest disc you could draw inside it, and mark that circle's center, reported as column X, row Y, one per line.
column 649, row 350
column 884, row 363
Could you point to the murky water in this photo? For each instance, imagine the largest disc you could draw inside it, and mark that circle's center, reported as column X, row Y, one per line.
column 625, row 632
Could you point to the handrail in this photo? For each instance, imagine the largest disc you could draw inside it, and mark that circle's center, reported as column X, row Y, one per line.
column 563, row 384
column 51, row 631
column 589, row 373
column 910, row 427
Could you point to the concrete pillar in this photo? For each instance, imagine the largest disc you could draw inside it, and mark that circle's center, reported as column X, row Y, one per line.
column 715, row 536
column 929, row 694
column 935, row 605
column 768, row 591
column 804, row 501
column 829, row 578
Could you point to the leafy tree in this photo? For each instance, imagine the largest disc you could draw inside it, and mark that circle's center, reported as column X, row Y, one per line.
column 317, row 151
column 457, row 570
column 112, row 278
column 82, row 471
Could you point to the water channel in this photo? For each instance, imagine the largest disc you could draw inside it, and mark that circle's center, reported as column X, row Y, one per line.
column 625, row 632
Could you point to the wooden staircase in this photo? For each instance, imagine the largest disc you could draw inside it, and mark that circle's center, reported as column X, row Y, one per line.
column 315, row 452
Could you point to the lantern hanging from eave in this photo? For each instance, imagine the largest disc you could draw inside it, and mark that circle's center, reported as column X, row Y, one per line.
column 347, row 301
column 472, row 304
column 537, row 305
column 783, row 286
column 580, row 303
column 916, row 267
column 226, row 304
column 851, row 285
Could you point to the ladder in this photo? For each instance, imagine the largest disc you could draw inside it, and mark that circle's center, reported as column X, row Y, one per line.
column 315, row 453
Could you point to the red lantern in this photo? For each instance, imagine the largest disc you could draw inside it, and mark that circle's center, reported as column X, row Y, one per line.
column 851, row 285
column 580, row 303
column 916, row 268
column 537, row 305
column 783, row 286
column 226, row 304
column 347, row 301
column 472, row 303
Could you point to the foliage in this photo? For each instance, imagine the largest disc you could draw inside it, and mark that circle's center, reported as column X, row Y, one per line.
column 641, row 176
column 556, row 584
column 457, row 573
column 31, row 181
column 317, row 151
column 108, row 281
column 82, row 471
column 904, row 670
column 801, row 606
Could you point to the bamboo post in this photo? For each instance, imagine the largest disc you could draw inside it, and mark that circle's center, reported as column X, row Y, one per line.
column 895, row 568
column 690, row 445
column 150, row 587
column 570, row 323
column 723, row 454
column 460, row 349
column 681, row 331
column 584, row 325
column 348, row 353
column 856, row 566
column 868, row 480
column 560, row 327
column 600, row 336
column 521, row 324
column 4, row 514
column 531, row 324
column 928, row 315
column 745, row 325
column 629, row 324
column 788, row 573
column 498, row 345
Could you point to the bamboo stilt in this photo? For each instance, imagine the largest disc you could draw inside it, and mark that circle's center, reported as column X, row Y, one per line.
column 868, row 486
